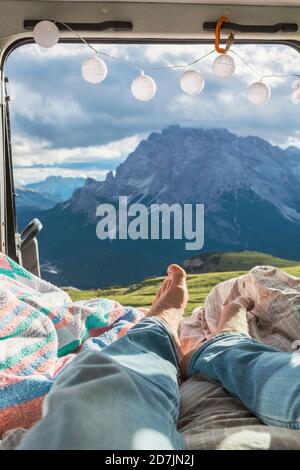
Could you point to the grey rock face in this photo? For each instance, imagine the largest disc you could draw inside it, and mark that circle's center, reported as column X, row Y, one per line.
column 201, row 165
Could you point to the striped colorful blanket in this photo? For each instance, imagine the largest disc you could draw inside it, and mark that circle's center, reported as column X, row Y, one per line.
column 41, row 330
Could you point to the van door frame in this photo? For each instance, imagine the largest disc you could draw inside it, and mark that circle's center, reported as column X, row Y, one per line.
column 3, row 189
column 8, row 221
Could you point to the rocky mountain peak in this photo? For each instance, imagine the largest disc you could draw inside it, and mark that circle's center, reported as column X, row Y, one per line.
column 200, row 165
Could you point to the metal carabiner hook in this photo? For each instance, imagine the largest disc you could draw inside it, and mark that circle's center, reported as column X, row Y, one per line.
column 220, row 22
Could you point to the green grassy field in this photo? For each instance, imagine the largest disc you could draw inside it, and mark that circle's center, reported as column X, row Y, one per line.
column 238, row 261
column 199, row 285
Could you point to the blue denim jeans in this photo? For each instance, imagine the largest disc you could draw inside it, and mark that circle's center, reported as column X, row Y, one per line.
column 127, row 397
column 265, row 379
column 124, row 397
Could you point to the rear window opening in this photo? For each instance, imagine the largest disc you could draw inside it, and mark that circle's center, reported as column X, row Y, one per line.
column 125, row 187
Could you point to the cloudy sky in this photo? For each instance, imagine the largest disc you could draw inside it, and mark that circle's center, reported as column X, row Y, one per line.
column 64, row 125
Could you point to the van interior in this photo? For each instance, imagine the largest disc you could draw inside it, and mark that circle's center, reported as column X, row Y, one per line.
column 68, row 147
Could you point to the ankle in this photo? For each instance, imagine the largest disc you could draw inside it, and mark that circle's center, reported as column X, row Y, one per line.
column 233, row 319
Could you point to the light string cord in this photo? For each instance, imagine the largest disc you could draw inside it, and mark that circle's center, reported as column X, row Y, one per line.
column 170, row 67
column 184, row 66
column 261, row 76
column 96, row 51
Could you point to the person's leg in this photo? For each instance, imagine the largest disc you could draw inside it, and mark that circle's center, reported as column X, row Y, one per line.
column 126, row 396
column 266, row 380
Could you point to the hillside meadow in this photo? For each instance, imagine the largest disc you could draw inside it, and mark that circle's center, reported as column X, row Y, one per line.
column 199, row 285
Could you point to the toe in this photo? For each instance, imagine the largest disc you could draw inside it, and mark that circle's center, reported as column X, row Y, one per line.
column 176, row 272
column 158, row 295
column 166, row 284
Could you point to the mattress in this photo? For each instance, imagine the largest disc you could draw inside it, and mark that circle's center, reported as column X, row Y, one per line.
column 212, row 419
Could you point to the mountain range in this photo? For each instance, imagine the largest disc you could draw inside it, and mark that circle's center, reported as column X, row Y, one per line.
column 250, row 189
column 46, row 193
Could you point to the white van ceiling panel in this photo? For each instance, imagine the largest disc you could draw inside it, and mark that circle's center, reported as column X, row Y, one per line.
column 174, row 21
column 220, row 2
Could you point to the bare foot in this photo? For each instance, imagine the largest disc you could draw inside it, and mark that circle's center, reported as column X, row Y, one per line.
column 233, row 319
column 171, row 299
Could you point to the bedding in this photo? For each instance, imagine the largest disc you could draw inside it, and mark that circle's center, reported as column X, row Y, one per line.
column 41, row 330
column 209, row 417
column 275, row 319
column 212, row 419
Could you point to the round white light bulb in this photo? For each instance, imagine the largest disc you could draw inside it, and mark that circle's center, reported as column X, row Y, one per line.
column 192, row 82
column 46, row 34
column 295, row 96
column 143, row 87
column 94, row 70
column 259, row 93
column 296, row 84
column 224, row 66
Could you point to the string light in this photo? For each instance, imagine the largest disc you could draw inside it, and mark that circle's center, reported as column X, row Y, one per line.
column 143, row 87
column 94, row 70
column 224, row 66
column 295, row 97
column 259, row 93
column 192, row 82
column 46, row 34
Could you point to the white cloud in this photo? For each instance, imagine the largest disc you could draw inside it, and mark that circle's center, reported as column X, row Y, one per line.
column 226, row 97
column 28, row 151
column 73, row 117
column 34, row 106
column 265, row 60
column 180, row 54
column 23, row 176
column 195, row 109
column 293, row 140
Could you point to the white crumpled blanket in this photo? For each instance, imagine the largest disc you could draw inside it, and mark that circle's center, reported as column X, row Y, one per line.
column 275, row 319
